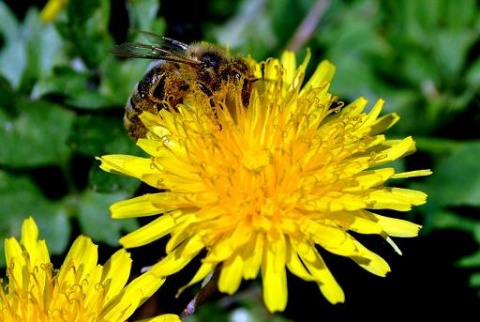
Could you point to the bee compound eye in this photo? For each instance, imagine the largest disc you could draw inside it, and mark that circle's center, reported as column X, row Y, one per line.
column 211, row 60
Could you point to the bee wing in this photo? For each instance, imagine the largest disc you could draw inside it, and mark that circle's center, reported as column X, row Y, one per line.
column 172, row 44
column 139, row 50
column 159, row 47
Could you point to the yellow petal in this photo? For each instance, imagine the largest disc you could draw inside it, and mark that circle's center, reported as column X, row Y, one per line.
column 371, row 178
column 370, row 261
column 319, row 271
column 383, row 123
column 229, row 243
column 231, row 275
column 352, row 221
column 374, row 113
column 321, row 77
column 289, row 59
column 136, row 207
column 37, row 249
column 127, row 165
column 183, row 231
column 274, row 278
column 396, row 199
column 295, row 265
column 30, row 234
column 205, row 269
column 398, row 227
column 398, row 150
column 84, row 254
column 132, row 296
column 162, row 318
column 152, row 231
column 335, row 202
column 16, row 261
column 409, row 174
column 354, row 108
column 174, row 261
column 253, row 254
column 117, row 270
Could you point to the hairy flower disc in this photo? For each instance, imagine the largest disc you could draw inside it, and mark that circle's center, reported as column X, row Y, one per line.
column 81, row 290
column 260, row 187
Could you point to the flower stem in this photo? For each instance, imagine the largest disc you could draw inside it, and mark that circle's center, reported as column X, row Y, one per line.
column 308, row 25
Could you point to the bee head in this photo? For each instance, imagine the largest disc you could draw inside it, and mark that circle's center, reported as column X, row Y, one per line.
column 212, row 60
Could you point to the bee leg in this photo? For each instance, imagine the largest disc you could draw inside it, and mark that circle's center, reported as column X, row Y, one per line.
column 246, row 91
column 209, row 93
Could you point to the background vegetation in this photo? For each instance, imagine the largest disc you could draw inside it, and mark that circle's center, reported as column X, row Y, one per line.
column 61, row 104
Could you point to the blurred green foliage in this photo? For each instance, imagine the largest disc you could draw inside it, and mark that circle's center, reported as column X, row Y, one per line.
column 62, row 96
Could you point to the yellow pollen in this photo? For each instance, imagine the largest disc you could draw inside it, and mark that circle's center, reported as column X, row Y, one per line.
column 255, row 160
column 264, row 213
column 268, row 208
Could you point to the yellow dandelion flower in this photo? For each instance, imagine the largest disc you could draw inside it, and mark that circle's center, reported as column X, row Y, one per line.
column 260, row 188
column 81, row 290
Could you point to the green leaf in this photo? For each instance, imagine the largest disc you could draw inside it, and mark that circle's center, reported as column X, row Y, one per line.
column 475, row 280
column 36, row 136
column 91, row 100
column 44, row 49
column 81, row 12
column 473, row 75
column 64, row 81
column 13, row 56
column 443, row 219
column 425, row 15
column 77, row 87
column 96, row 135
column 450, row 47
column 21, row 199
column 143, row 15
column 437, row 146
column 418, row 68
column 470, row 261
column 456, row 179
column 8, row 99
column 405, row 102
column 95, row 219
column 412, row 19
column 86, row 30
column 119, row 78
column 285, row 17
column 31, row 48
column 460, row 13
column 351, row 43
column 106, row 182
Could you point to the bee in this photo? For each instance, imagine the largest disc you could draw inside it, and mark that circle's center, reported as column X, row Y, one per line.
column 178, row 70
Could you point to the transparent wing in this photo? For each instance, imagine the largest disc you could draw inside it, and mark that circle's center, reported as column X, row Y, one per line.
column 173, row 44
column 159, row 47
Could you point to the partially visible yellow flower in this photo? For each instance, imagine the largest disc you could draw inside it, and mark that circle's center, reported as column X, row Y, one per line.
column 259, row 188
column 52, row 9
column 81, row 290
